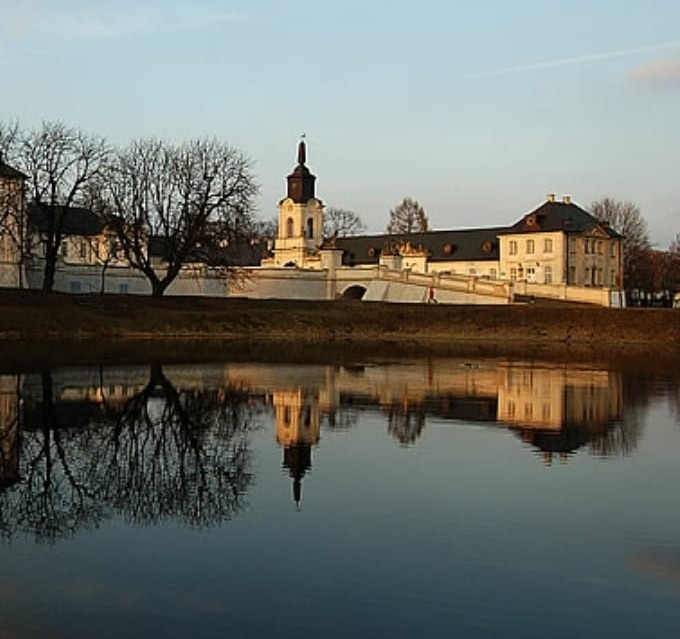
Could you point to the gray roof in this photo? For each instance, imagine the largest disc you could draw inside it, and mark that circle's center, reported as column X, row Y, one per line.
column 239, row 252
column 559, row 216
column 75, row 221
column 7, row 171
column 442, row 246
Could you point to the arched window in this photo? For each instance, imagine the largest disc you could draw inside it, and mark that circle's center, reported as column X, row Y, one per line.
column 310, row 227
column 289, row 227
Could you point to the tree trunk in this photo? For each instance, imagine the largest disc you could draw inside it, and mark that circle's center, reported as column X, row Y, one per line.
column 50, row 268
column 102, row 286
column 158, row 287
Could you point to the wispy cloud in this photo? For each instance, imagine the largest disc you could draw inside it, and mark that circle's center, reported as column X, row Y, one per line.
column 661, row 74
column 34, row 18
column 574, row 60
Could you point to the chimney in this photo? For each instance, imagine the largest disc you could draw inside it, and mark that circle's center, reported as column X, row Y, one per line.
column 550, row 197
column 566, row 199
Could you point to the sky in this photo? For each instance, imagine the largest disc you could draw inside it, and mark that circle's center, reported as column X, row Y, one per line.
column 475, row 109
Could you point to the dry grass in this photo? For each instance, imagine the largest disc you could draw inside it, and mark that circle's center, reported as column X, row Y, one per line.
column 28, row 317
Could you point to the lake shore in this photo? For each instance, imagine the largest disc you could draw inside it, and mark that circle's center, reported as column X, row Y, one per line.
column 121, row 327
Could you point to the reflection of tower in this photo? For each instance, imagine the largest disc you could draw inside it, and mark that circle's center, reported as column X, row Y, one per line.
column 297, row 430
column 9, row 430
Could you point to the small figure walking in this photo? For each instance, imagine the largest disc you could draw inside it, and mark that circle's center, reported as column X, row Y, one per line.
column 430, row 296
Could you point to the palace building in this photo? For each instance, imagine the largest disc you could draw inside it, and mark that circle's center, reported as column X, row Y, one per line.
column 557, row 250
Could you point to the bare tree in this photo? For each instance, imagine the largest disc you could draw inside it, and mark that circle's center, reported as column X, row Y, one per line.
column 339, row 222
column 59, row 161
column 625, row 218
column 674, row 247
column 264, row 231
column 408, row 217
column 170, row 195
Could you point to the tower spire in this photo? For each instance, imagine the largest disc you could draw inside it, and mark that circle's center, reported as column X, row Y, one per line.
column 302, row 150
column 301, row 181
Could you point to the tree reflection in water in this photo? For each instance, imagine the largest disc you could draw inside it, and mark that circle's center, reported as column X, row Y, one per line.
column 164, row 453
column 405, row 423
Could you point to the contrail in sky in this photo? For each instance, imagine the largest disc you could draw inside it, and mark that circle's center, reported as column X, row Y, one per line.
column 579, row 59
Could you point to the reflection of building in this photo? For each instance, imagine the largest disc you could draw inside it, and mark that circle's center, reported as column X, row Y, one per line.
column 9, row 430
column 558, row 410
column 298, row 428
column 555, row 408
column 549, row 398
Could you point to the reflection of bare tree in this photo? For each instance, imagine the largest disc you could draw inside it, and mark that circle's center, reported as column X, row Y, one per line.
column 623, row 436
column 619, row 439
column 164, row 453
column 52, row 499
column 405, row 424
column 342, row 418
column 175, row 454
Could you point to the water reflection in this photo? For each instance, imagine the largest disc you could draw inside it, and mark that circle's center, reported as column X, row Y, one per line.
column 125, row 442
column 79, row 445
column 298, row 427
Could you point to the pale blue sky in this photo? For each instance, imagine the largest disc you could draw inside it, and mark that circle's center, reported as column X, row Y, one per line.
column 476, row 109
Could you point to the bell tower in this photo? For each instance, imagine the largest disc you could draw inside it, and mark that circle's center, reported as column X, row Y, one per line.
column 300, row 231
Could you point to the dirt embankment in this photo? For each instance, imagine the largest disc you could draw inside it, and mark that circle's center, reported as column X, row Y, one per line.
column 51, row 322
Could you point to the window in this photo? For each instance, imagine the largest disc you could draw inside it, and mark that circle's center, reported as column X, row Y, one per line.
column 612, row 249
column 82, row 249
column 74, row 286
column 572, row 245
column 530, row 247
column 547, row 245
column 548, row 275
column 586, row 246
column 493, row 274
column 310, row 227
column 531, row 274
column 63, row 248
column 513, row 247
column 572, row 275
column 289, row 227
column 600, row 247
column 513, row 274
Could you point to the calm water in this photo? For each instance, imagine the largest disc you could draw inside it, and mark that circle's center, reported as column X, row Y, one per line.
column 419, row 498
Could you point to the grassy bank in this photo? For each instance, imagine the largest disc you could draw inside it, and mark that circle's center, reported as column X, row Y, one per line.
column 55, row 320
